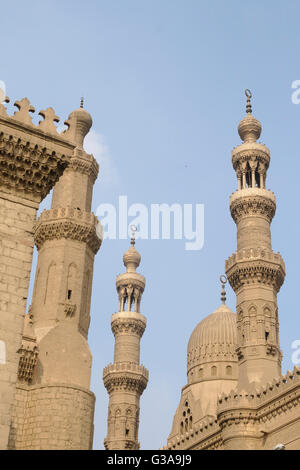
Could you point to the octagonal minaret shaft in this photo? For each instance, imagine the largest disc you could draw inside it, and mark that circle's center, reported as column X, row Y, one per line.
column 125, row 379
column 255, row 272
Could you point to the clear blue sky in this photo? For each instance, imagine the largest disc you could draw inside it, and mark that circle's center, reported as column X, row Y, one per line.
column 164, row 83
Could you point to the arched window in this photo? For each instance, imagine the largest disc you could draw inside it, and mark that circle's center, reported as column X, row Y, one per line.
column 187, row 422
column 228, row 370
column 213, row 371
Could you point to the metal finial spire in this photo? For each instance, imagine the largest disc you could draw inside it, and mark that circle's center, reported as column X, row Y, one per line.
column 248, row 105
column 81, row 102
column 223, row 280
column 133, row 230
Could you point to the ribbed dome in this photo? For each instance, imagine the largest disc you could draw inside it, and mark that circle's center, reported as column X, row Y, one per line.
column 214, row 339
column 131, row 258
column 249, row 129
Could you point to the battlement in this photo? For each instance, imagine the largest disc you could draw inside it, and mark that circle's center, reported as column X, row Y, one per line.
column 200, row 431
column 262, row 395
column 21, row 120
column 32, row 157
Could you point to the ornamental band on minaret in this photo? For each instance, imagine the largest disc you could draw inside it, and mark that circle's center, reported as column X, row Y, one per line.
column 125, row 379
column 255, row 272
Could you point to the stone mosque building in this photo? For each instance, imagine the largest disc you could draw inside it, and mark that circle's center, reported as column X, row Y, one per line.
column 236, row 396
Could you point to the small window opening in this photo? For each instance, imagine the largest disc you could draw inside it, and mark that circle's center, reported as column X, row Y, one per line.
column 266, row 335
column 126, row 432
column 69, row 294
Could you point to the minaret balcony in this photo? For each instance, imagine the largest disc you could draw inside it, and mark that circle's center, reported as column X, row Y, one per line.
column 125, row 376
column 128, row 322
column 69, row 223
column 252, row 202
column 255, row 265
column 250, row 152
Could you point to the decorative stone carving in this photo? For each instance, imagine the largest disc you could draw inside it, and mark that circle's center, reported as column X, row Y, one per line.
column 28, row 352
column 256, row 271
column 29, row 168
column 67, row 223
column 69, row 309
column 128, row 325
column 254, row 152
column 24, row 108
column 252, row 205
column 88, row 167
column 46, row 124
column 125, row 376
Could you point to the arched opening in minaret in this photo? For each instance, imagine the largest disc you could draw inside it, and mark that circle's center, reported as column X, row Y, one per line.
column 253, row 177
column 248, row 176
column 257, row 179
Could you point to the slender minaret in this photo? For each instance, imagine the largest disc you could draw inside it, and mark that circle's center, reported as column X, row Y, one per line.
column 125, row 379
column 255, row 272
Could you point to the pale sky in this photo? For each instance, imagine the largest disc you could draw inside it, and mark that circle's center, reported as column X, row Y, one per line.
column 164, row 83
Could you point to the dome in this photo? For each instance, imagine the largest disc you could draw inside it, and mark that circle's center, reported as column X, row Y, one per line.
column 131, row 258
column 249, row 129
column 213, row 340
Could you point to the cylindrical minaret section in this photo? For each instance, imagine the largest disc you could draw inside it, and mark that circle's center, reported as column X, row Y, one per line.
column 125, row 379
column 255, row 272
column 67, row 240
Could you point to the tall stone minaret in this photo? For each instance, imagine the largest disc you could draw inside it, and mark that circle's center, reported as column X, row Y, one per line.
column 58, row 389
column 67, row 240
column 255, row 272
column 125, row 379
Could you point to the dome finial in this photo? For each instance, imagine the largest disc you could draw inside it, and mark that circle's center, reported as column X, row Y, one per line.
column 223, row 280
column 82, row 102
column 249, row 127
column 133, row 230
column 248, row 105
column 132, row 258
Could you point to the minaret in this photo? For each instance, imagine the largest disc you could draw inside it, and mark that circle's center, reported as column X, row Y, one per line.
column 67, row 240
column 66, row 237
column 125, row 379
column 255, row 272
